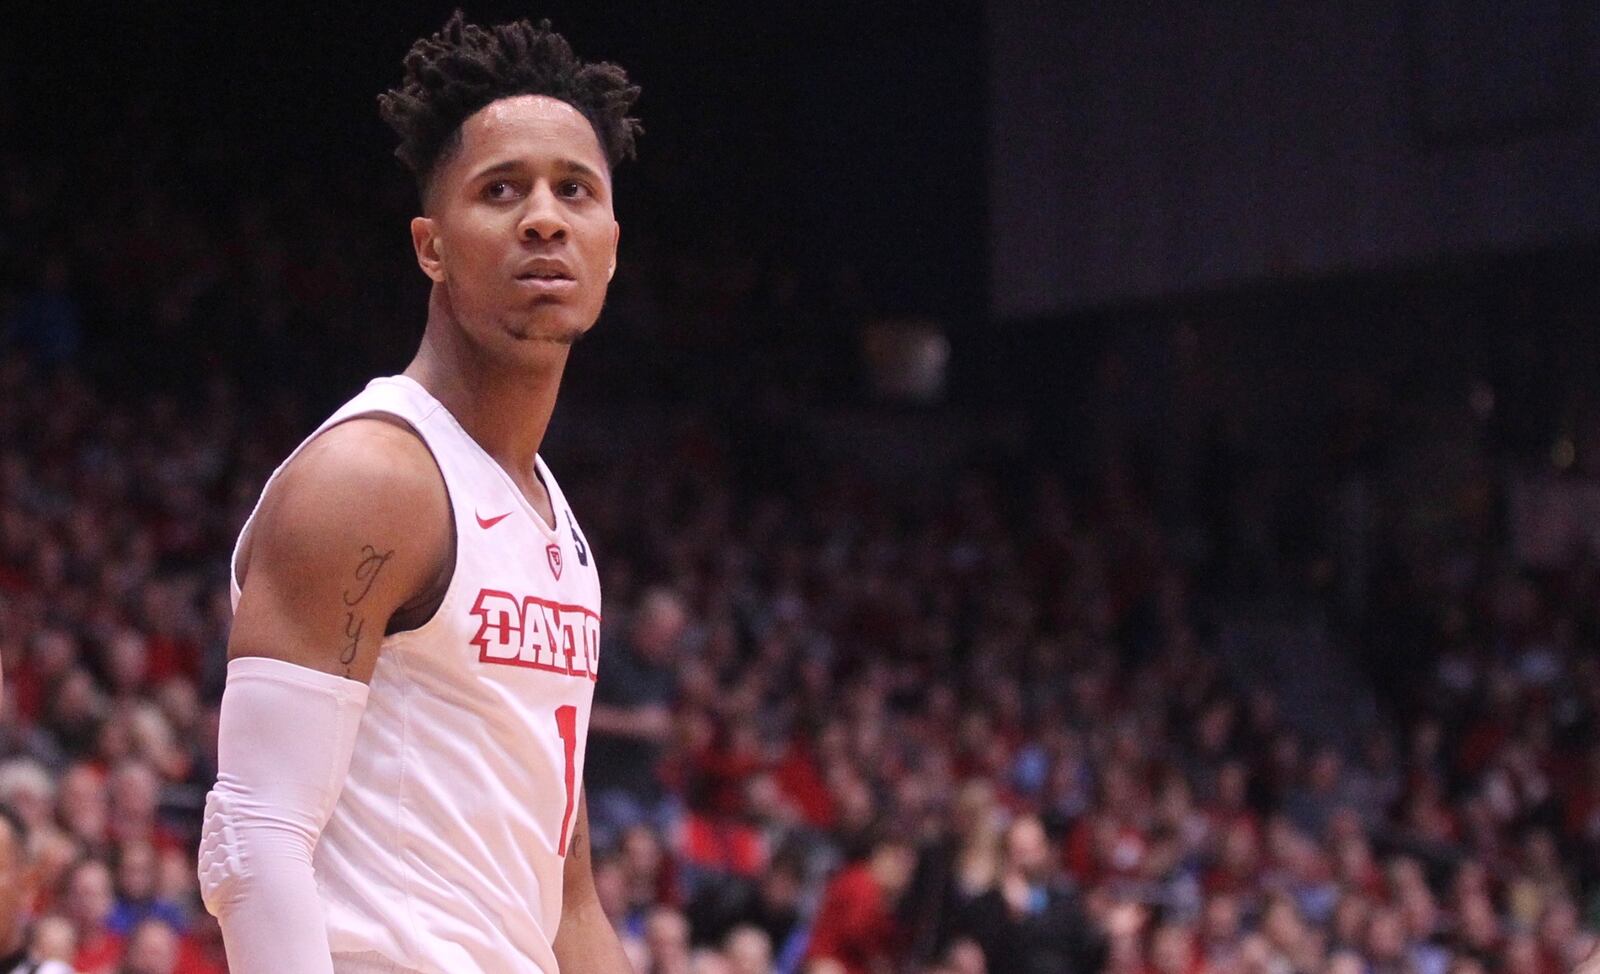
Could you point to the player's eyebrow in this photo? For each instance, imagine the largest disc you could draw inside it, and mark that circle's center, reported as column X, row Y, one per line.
column 580, row 169
column 507, row 165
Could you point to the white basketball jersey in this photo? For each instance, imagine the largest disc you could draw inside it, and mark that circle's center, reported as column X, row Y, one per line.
column 445, row 851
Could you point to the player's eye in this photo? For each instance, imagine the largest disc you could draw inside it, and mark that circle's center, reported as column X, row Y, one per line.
column 500, row 189
column 573, row 189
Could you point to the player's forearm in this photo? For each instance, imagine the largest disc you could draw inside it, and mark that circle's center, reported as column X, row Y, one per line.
column 273, row 922
column 586, row 943
column 283, row 749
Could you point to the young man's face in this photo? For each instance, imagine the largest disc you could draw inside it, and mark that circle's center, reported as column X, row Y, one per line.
column 519, row 227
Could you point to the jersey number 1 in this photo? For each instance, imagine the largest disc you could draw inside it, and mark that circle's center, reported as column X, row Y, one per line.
column 567, row 727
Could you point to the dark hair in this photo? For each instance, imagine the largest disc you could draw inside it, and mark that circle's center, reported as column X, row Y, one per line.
column 464, row 67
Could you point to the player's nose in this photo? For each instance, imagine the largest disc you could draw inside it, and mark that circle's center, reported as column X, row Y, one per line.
column 542, row 218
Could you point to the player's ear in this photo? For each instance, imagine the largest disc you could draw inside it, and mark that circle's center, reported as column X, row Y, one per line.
column 430, row 249
column 616, row 235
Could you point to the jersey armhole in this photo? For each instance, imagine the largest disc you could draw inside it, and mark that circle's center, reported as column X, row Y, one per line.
column 438, row 589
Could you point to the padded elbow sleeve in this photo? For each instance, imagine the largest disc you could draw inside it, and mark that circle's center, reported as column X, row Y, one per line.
column 283, row 750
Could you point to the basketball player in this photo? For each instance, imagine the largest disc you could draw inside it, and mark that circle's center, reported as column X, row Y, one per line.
column 416, row 629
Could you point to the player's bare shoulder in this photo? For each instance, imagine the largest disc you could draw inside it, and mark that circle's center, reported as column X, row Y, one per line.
column 350, row 533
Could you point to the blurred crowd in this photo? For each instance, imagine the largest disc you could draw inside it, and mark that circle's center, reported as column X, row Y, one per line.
column 954, row 728
column 965, row 723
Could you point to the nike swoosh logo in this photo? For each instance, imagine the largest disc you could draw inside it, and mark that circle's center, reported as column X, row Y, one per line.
column 489, row 522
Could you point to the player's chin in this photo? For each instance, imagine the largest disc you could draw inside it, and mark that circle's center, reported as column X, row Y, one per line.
column 547, row 326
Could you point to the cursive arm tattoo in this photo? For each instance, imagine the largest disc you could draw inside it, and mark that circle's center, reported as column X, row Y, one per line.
column 367, row 569
column 352, row 630
column 367, row 572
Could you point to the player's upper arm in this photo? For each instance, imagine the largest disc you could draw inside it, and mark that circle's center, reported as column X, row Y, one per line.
column 353, row 529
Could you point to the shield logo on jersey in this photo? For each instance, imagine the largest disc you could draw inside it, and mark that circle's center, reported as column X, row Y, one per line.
column 554, row 553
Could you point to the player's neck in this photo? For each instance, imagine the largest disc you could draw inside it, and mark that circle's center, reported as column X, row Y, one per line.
column 506, row 410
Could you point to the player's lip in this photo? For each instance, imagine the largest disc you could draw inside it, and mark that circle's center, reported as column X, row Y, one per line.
column 545, row 269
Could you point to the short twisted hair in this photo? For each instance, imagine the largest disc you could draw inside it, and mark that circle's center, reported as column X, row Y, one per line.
column 464, row 67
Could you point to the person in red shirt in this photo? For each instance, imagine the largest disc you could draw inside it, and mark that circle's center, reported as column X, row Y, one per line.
column 855, row 925
column 200, row 951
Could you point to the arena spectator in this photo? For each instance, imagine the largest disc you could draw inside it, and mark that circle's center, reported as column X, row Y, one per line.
column 137, row 893
column 748, row 950
column 152, row 949
column 646, row 878
column 83, row 806
column 88, row 904
column 855, row 925
column 960, row 866
column 631, row 719
column 53, row 939
column 1029, row 921
column 965, row 957
column 18, row 955
column 707, row 961
column 771, row 903
column 1172, row 950
column 666, row 942
column 27, row 788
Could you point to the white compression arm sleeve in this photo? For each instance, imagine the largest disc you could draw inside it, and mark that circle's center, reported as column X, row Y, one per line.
column 283, row 750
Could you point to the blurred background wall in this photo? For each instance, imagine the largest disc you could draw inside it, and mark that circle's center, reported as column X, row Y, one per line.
column 1148, row 149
